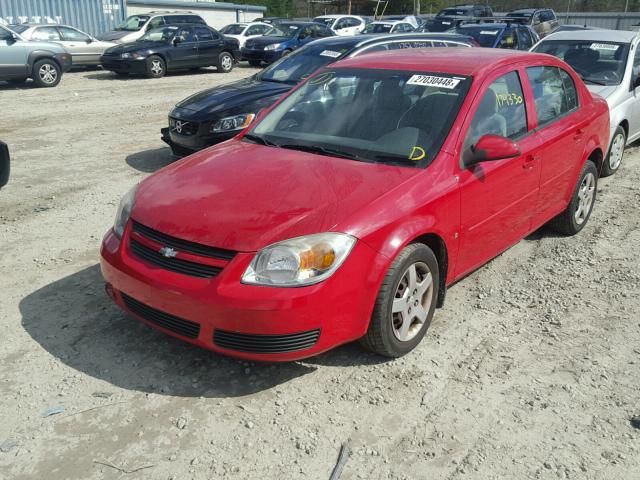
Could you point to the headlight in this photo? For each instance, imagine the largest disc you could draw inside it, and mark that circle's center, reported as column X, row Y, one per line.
column 125, row 55
column 273, row 46
column 237, row 122
column 299, row 261
column 124, row 212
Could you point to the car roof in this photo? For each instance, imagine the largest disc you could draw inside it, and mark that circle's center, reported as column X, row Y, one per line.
column 622, row 36
column 334, row 16
column 487, row 25
column 300, row 24
column 464, row 61
column 388, row 22
column 355, row 41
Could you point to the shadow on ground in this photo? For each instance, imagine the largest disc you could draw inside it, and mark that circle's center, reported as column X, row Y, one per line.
column 74, row 320
column 150, row 161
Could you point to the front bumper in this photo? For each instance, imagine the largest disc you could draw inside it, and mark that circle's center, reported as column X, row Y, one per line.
column 239, row 320
column 261, row 54
column 187, row 144
column 120, row 65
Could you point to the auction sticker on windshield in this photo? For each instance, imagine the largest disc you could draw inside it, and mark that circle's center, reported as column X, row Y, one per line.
column 330, row 53
column 604, row 46
column 433, row 81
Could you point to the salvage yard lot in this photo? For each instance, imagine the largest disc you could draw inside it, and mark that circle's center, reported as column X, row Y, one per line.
column 531, row 370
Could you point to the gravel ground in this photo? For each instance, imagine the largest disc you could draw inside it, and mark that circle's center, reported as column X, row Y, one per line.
column 530, row 371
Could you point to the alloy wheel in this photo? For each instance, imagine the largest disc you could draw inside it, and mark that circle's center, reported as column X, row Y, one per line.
column 227, row 63
column 586, row 195
column 617, row 150
column 156, row 67
column 48, row 73
column 412, row 301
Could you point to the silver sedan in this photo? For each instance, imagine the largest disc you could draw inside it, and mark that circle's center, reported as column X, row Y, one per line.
column 85, row 50
column 609, row 63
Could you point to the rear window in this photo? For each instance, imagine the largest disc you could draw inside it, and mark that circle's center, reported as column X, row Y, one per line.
column 485, row 36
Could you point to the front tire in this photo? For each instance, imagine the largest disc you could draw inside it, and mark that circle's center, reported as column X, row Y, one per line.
column 46, row 73
column 575, row 216
column 225, row 62
column 156, row 67
column 405, row 303
column 616, row 151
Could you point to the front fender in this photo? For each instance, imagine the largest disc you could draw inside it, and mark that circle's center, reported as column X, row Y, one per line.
column 36, row 55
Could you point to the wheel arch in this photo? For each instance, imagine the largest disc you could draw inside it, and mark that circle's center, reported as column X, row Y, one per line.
column 36, row 56
column 439, row 247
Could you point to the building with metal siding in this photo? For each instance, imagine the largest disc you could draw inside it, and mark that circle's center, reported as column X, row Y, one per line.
column 91, row 16
column 216, row 14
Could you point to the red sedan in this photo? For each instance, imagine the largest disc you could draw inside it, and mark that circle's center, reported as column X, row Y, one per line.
column 346, row 210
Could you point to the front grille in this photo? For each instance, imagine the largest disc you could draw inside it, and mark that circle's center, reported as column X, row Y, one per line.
column 183, row 245
column 243, row 342
column 169, row 322
column 173, row 264
column 182, row 127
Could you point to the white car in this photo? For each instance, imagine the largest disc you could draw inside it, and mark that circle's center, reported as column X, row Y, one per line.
column 135, row 26
column 609, row 63
column 389, row 26
column 343, row 25
column 243, row 31
column 84, row 49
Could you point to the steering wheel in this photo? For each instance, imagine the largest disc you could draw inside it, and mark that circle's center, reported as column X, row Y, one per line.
column 291, row 122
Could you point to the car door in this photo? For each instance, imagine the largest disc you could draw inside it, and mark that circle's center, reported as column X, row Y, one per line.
column 210, row 45
column 83, row 49
column 634, row 120
column 559, row 123
column 13, row 56
column 498, row 198
column 184, row 52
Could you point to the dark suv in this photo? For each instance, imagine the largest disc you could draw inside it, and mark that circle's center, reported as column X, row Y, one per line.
column 542, row 20
column 452, row 17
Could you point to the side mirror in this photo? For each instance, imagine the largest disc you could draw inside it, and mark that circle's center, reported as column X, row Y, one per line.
column 636, row 82
column 489, row 148
column 89, row 40
column 5, row 166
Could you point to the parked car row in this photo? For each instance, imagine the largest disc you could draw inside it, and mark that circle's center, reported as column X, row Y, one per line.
column 344, row 208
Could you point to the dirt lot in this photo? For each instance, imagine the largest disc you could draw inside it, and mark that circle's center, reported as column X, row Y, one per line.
column 532, row 369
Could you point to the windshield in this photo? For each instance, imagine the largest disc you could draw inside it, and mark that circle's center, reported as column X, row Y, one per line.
column 233, row 29
column 297, row 66
column 486, row 37
column 331, row 115
column 283, row 30
column 324, row 21
column 378, row 28
column 133, row 23
column 596, row 62
column 19, row 28
column 165, row 34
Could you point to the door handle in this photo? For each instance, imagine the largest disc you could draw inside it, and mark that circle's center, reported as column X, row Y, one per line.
column 529, row 162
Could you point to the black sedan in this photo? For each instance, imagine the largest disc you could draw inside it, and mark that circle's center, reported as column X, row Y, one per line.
column 174, row 47
column 219, row 113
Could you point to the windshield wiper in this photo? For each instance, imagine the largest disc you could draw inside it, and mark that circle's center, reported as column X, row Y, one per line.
column 320, row 150
column 261, row 140
column 595, row 82
column 395, row 159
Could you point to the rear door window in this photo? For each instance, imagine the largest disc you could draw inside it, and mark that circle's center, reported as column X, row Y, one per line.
column 524, row 39
column 204, row 34
column 71, row 35
column 555, row 95
column 156, row 22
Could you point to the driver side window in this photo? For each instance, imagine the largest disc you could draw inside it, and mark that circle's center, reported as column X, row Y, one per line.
column 156, row 22
column 501, row 111
column 5, row 35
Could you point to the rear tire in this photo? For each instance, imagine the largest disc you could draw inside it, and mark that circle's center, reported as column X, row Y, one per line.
column 225, row 62
column 46, row 73
column 575, row 216
column 255, row 63
column 156, row 67
column 616, row 152
column 405, row 303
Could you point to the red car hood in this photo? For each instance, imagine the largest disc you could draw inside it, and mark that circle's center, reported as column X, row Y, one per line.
column 242, row 196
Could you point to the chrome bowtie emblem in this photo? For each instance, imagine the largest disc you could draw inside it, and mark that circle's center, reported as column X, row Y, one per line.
column 179, row 126
column 168, row 252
